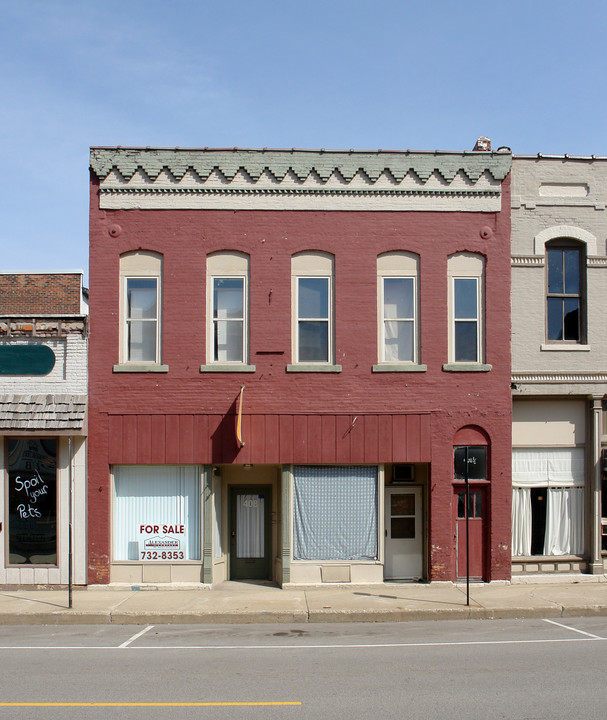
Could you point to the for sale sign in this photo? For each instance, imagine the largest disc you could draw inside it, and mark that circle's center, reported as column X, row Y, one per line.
column 161, row 542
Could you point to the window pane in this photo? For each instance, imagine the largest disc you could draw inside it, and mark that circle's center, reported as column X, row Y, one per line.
column 229, row 340
column 141, row 298
column 555, row 318
column 476, row 465
column 142, row 340
column 398, row 341
column 398, row 298
column 313, row 341
column 228, row 296
column 402, row 528
column 313, row 301
column 466, row 306
column 572, row 271
column 156, row 513
column 555, row 271
column 571, row 322
column 466, row 349
column 402, row 504
column 32, row 501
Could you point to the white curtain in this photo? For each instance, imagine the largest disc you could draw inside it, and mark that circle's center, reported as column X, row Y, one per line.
column 564, row 522
column 521, row 521
column 250, row 526
column 561, row 472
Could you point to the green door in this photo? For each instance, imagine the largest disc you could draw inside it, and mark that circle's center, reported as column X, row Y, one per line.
column 250, row 538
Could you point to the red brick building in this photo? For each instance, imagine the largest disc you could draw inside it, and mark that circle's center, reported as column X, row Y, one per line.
column 294, row 357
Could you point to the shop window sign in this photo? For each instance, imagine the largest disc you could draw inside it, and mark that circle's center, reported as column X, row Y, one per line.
column 32, row 501
column 476, row 462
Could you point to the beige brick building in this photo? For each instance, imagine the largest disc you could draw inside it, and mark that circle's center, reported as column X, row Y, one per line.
column 559, row 363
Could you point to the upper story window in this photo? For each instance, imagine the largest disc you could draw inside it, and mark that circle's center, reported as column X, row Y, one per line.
column 466, row 319
column 565, row 292
column 140, row 309
column 466, row 311
column 142, row 319
column 227, row 300
column 312, row 292
column 397, row 274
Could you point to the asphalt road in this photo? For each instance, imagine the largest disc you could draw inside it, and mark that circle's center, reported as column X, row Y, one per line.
column 532, row 669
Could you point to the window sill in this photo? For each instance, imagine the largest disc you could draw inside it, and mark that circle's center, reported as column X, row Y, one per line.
column 564, row 347
column 227, row 368
column 398, row 367
column 140, row 368
column 311, row 368
column 467, row 367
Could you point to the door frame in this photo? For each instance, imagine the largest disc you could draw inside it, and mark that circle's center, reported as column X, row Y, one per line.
column 420, row 495
column 233, row 491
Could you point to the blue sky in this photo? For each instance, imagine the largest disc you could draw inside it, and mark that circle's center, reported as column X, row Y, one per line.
column 392, row 74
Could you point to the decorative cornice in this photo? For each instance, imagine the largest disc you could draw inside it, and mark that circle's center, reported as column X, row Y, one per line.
column 456, row 192
column 564, row 378
column 300, row 163
column 539, row 261
column 527, row 261
column 298, row 180
column 596, row 262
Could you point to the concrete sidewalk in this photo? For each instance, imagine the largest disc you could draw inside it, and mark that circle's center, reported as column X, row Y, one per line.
column 239, row 602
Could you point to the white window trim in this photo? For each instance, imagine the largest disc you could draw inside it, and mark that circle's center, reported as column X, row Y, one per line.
column 128, row 321
column 227, row 265
column 476, row 320
column 213, row 320
column 468, row 266
column 139, row 265
column 383, row 321
column 328, row 320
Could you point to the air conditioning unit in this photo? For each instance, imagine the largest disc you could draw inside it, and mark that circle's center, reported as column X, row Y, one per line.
column 403, row 473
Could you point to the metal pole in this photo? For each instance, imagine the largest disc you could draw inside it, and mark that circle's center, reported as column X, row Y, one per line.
column 69, row 531
column 467, row 530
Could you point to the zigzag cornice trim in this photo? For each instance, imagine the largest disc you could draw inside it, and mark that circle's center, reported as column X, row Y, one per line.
column 300, row 163
column 550, row 378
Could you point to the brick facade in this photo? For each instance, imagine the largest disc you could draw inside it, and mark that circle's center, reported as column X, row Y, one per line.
column 188, row 416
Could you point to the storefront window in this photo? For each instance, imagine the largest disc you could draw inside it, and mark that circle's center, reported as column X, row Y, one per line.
column 32, row 501
column 156, row 513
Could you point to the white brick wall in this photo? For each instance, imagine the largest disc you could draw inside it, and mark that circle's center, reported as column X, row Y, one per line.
column 68, row 376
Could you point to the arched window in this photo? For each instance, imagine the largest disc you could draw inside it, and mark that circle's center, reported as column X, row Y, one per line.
column 312, row 292
column 397, row 290
column 140, row 308
column 227, row 300
column 466, row 308
column 565, row 291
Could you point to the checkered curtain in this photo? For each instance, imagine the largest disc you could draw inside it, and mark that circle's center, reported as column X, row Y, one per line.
column 334, row 512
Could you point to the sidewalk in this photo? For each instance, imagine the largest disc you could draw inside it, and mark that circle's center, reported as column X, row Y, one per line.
column 238, row 602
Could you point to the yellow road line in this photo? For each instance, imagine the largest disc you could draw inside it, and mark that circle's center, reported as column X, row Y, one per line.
column 146, row 704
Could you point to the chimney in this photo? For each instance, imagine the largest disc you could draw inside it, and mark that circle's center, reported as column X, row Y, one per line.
column 483, row 144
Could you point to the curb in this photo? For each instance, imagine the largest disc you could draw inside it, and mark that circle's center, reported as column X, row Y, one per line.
column 75, row 617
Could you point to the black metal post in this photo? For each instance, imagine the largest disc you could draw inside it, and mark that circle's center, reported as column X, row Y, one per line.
column 467, row 500
column 69, row 531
